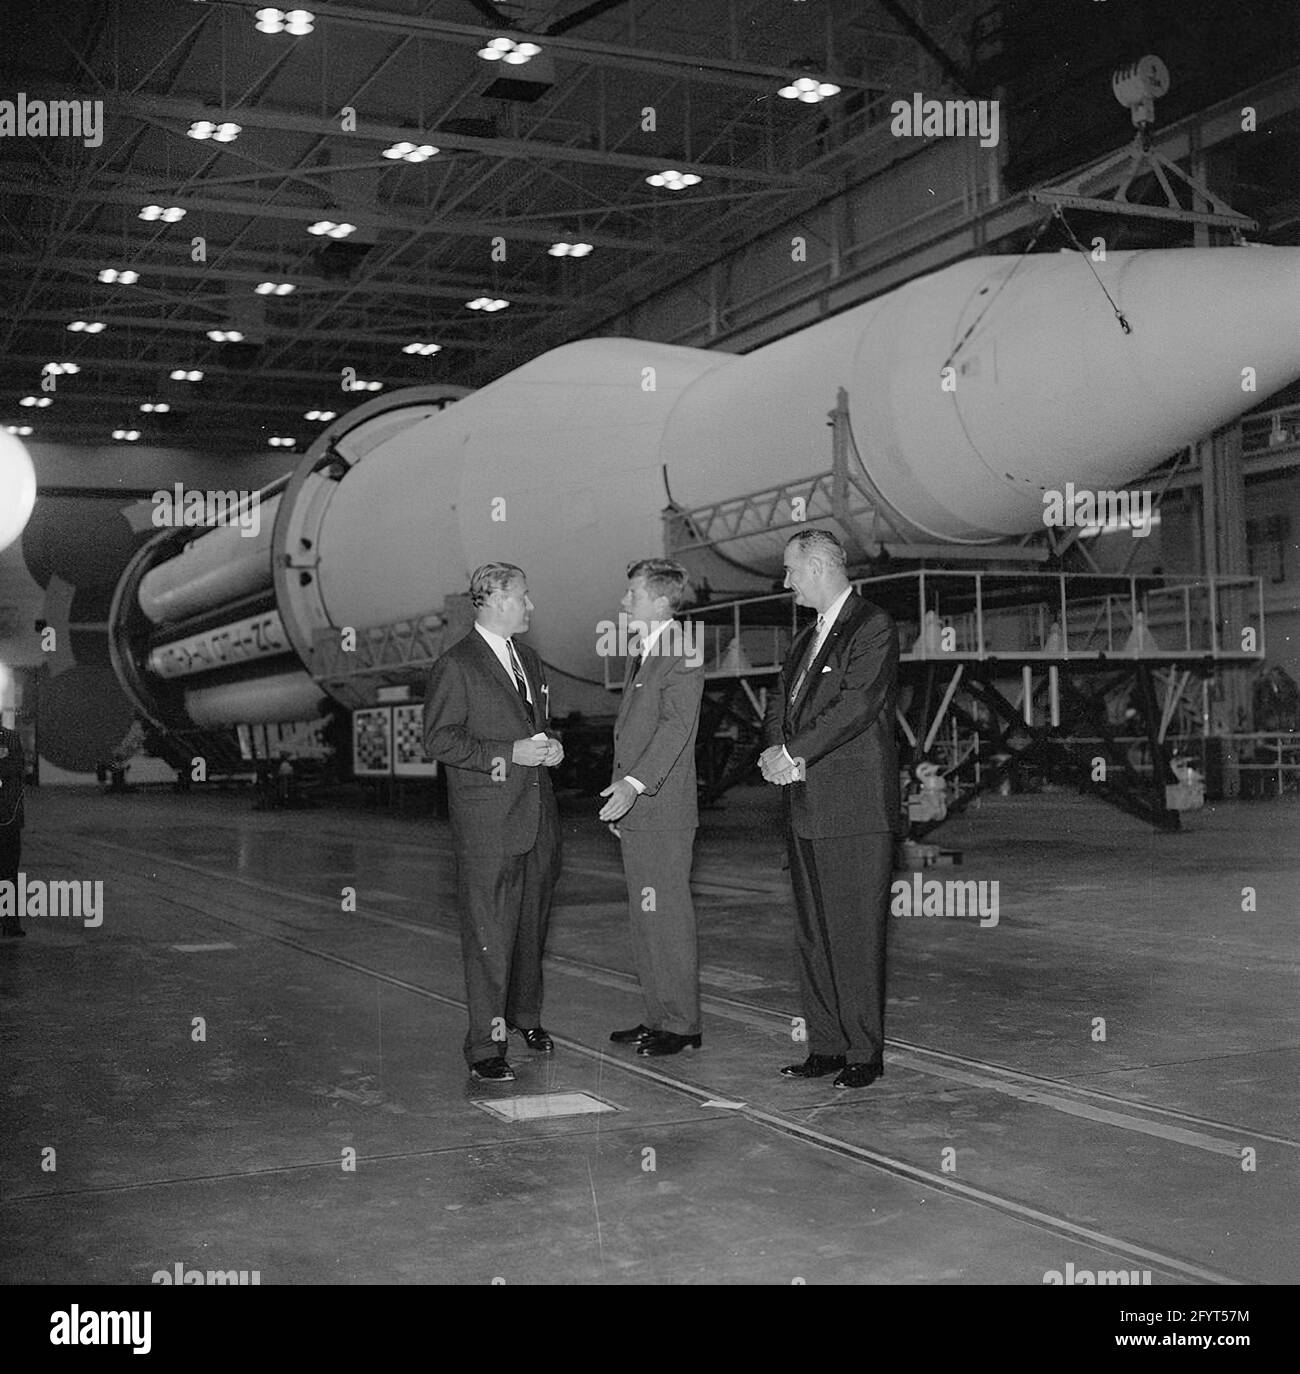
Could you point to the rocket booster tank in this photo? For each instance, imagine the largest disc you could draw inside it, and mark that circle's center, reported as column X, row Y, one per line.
column 971, row 392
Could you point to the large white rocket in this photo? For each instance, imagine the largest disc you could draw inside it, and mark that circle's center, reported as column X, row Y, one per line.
column 972, row 391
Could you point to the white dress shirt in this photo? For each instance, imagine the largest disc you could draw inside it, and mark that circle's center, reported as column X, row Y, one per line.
column 501, row 647
column 827, row 619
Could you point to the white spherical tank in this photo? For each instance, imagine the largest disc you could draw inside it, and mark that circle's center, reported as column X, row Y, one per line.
column 17, row 488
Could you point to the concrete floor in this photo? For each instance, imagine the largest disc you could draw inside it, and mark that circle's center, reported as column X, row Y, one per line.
column 331, row 1031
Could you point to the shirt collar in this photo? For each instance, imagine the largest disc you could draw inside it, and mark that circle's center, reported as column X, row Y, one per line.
column 492, row 637
column 832, row 611
column 649, row 641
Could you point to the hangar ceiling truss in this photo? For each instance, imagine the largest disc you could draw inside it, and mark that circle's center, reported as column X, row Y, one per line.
column 556, row 150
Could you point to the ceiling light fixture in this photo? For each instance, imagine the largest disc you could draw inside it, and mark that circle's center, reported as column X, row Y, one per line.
column 295, row 22
column 673, row 179
column 180, row 375
column 488, row 303
column 155, row 407
column 321, row 415
column 225, row 336
column 127, row 435
column 423, row 349
column 124, row 278
column 91, row 327
column 569, row 250
column 411, row 152
column 218, row 133
column 168, row 214
column 809, row 90
column 507, row 50
column 274, row 288
column 333, row 230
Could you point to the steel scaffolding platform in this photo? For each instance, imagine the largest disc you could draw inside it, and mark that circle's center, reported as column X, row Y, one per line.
column 1001, row 670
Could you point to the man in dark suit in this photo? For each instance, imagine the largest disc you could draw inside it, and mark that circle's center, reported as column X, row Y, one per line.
column 486, row 708
column 652, row 806
column 12, row 774
column 829, row 731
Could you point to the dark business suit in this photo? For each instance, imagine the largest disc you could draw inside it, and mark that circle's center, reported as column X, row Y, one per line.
column 841, row 823
column 654, row 742
column 505, row 828
column 11, row 816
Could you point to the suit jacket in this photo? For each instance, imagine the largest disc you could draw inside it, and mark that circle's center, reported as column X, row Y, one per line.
column 12, row 775
column 842, row 726
column 654, row 740
column 472, row 716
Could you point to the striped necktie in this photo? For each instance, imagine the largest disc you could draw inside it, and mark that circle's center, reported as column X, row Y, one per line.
column 808, row 661
column 521, row 682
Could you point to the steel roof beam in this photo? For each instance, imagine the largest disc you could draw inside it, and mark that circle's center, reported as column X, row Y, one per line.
column 306, row 284
column 295, row 121
column 694, row 66
column 268, row 331
column 128, row 193
column 210, row 370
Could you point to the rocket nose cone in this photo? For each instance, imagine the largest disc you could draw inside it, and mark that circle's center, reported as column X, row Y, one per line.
column 1067, row 395
column 1005, row 379
column 1220, row 311
column 1214, row 332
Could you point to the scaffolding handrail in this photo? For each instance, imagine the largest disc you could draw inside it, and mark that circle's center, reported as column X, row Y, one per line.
column 1154, row 618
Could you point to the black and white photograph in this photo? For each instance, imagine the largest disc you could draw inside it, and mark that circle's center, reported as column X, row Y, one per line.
column 649, row 644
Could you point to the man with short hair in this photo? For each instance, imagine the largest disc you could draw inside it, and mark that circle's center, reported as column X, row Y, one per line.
column 652, row 807
column 829, row 731
column 486, row 709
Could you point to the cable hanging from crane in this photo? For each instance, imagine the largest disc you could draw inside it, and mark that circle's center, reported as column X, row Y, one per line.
column 1087, row 257
column 974, row 324
column 1029, row 248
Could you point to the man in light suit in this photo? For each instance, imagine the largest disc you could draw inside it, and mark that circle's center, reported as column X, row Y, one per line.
column 486, row 708
column 829, row 731
column 652, row 807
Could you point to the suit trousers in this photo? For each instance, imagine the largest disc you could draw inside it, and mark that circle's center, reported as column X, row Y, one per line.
column 841, row 891
column 664, row 940
column 11, row 849
column 505, row 908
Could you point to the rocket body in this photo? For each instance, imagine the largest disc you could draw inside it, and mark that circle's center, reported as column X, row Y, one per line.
column 971, row 392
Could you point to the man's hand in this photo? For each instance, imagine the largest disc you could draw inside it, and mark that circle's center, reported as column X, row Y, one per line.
column 771, row 760
column 554, row 753
column 777, row 770
column 621, row 796
column 529, row 753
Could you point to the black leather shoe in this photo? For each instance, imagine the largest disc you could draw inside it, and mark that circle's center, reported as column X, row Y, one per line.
column 636, row 1036
column 815, row 1066
column 858, row 1075
column 535, row 1038
column 665, row 1042
column 492, row 1070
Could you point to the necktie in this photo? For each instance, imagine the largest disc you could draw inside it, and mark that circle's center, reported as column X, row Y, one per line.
column 808, row 661
column 521, row 682
column 635, row 656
